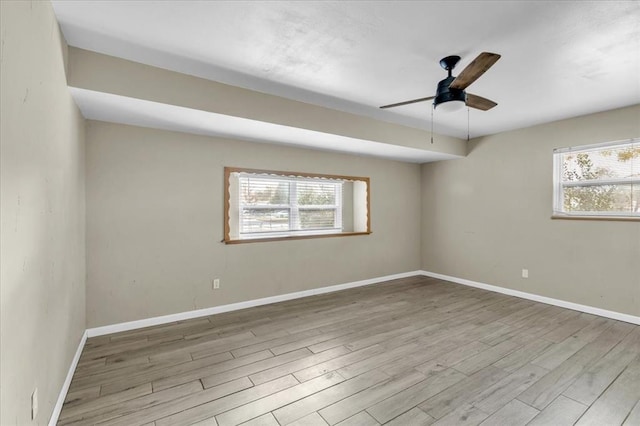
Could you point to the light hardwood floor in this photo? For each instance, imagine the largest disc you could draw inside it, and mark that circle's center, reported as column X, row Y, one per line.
column 416, row 351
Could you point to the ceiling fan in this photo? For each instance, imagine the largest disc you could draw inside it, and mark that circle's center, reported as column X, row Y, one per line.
column 451, row 90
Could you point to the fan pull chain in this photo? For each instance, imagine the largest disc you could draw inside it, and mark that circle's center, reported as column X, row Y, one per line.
column 468, row 109
column 432, row 108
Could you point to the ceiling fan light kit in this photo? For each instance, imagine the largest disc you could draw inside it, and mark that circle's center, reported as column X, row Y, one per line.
column 446, row 94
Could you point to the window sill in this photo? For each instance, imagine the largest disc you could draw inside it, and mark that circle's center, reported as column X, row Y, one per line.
column 295, row 237
column 609, row 218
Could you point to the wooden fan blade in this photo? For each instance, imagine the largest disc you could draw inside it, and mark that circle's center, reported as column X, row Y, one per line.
column 474, row 70
column 478, row 102
column 407, row 102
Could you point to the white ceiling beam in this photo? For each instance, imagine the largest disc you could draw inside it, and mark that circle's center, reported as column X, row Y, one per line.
column 107, row 74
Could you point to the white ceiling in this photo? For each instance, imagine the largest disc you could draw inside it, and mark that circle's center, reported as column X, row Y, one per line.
column 559, row 59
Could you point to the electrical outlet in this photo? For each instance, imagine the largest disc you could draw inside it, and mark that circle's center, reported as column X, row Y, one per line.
column 34, row 404
column 525, row 273
column 216, row 283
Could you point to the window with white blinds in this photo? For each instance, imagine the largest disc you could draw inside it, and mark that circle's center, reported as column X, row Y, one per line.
column 599, row 181
column 267, row 204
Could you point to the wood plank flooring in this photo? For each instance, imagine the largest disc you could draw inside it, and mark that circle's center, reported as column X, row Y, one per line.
column 415, row 351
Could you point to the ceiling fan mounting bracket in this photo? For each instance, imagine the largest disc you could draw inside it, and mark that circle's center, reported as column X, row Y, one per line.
column 449, row 63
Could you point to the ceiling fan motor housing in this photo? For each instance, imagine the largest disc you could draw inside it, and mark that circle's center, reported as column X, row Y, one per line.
column 446, row 94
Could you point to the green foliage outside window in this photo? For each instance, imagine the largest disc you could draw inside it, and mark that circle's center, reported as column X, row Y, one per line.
column 599, row 165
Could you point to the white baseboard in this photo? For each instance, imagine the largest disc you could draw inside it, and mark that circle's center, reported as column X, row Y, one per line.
column 67, row 381
column 148, row 322
column 543, row 299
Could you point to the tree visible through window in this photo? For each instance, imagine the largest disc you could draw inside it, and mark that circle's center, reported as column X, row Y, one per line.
column 600, row 180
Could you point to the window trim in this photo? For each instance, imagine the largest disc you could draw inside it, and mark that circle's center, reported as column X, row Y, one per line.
column 558, row 186
column 227, row 204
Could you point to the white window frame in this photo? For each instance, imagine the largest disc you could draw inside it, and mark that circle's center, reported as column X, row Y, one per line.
column 359, row 190
column 559, row 185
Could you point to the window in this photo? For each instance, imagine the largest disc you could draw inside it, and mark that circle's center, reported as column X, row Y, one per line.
column 598, row 181
column 265, row 205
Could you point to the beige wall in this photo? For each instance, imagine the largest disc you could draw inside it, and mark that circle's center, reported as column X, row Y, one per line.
column 487, row 216
column 154, row 224
column 42, row 204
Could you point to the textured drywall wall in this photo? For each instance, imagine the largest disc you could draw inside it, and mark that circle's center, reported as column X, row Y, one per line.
column 154, row 224
column 488, row 216
column 42, row 210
